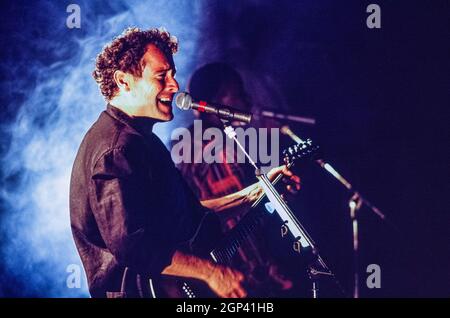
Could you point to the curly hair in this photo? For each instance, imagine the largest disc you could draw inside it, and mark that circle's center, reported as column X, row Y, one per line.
column 125, row 53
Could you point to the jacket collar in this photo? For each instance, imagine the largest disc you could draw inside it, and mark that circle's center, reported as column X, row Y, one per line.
column 143, row 125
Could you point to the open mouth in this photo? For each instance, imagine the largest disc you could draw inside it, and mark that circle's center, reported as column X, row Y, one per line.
column 166, row 101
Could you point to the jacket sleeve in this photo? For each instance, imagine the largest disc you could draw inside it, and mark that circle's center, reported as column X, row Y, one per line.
column 121, row 203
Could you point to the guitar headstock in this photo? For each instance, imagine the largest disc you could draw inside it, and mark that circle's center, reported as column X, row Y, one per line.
column 305, row 149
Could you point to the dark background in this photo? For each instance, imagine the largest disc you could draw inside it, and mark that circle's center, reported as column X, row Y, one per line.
column 379, row 96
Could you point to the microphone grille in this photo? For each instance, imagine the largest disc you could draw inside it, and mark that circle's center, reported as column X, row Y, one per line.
column 183, row 101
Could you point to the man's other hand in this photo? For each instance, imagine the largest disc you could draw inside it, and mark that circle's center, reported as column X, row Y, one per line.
column 226, row 282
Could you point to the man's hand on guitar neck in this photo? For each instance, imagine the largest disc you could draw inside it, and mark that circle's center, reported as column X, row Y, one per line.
column 224, row 281
column 291, row 180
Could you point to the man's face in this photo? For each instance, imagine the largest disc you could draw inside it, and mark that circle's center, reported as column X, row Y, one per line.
column 154, row 91
column 234, row 95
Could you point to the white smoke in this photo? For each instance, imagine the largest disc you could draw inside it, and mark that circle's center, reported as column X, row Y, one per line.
column 47, row 131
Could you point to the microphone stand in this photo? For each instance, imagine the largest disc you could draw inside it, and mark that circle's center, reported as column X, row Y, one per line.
column 303, row 240
column 270, row 114
column 355, row 203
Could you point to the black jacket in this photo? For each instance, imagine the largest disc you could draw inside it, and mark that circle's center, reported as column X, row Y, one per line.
column 129, row 207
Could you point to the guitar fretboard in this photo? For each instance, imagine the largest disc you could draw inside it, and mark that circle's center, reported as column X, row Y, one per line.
column 228, row 247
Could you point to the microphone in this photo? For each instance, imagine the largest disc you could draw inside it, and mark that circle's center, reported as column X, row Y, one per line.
column 184, row 101
column 298, row 119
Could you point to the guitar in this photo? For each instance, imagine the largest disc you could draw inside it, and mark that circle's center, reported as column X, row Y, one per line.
column 221, row 249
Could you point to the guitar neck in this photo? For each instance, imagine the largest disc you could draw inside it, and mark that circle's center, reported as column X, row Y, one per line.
column 228, row 247
column 225, row 252
column 234, row 239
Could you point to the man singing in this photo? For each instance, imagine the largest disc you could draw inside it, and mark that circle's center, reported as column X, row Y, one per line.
column 132, row 213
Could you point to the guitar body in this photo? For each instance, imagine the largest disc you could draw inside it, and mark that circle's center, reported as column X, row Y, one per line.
column 210, row 243
column 168, row 286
